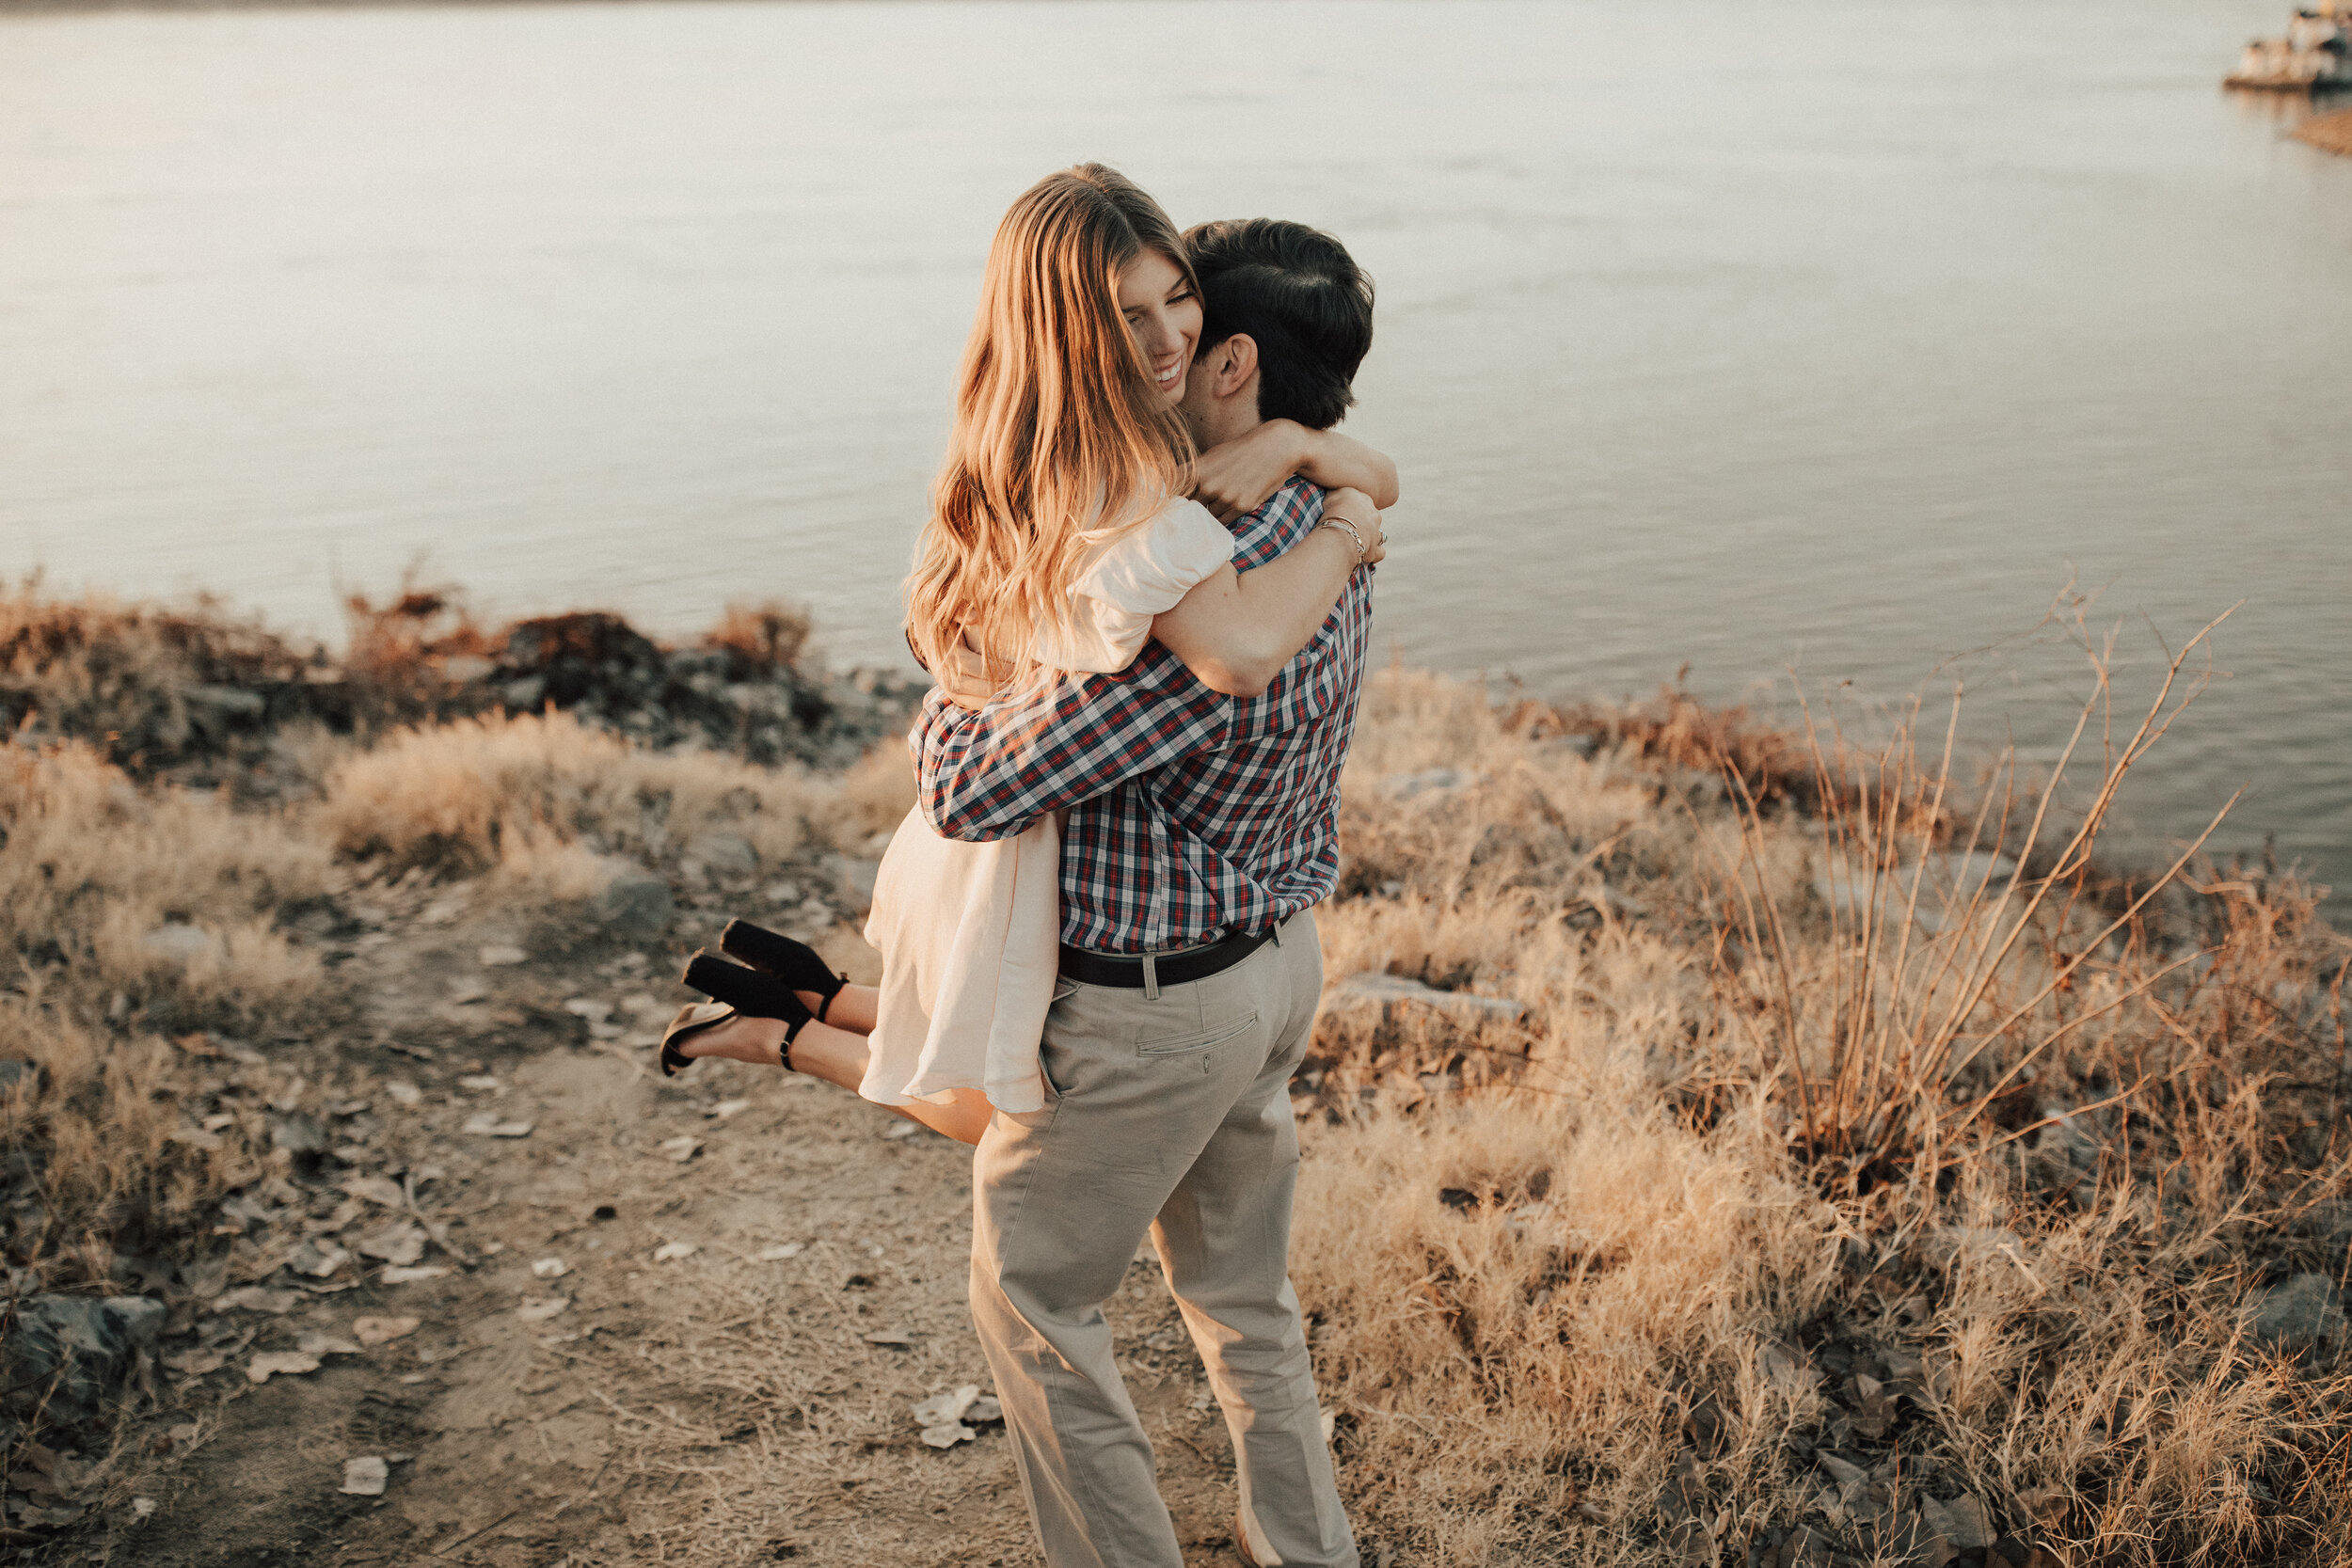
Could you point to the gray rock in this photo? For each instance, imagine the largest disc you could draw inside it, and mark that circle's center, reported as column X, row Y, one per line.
column 2296, row 1316
column 79, row 1351
column 1404, row 786
column 857, row 880
column 298, row 1134
column 179, row 942
column 13, row 1069
column 226, row 702
column 725, row 852
column 2329, row 1223
column 1963, row 1521
column 635, row 904
column 1376, row 993
column 523, row 694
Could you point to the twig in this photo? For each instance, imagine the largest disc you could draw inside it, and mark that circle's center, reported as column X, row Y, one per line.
column 444, row 1550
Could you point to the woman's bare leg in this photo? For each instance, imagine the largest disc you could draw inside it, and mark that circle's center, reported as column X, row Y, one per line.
column 837, row 1055
column 854, row 1008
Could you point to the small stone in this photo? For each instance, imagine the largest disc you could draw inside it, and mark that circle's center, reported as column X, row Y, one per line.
column 541, row 1311
column 379, row 1331
column 365, row 1477
column 948, row 1408
column 1370, row 995
column 398, row 1245
column 175, row 942
column 550, row 1268
column 298, row 1134
column 317, row 1258
column 405, row 1275
column 778, row 1253
column 1839, row 1471
column 1963, row 1521
column 636, row 904
column 489, row 1124
column 270, row 1363
column 253, row 1298
column 322, row 1344
column 496, row 955
column 404, row 1092
column 142, row 1507
column 681, row 1148
column 948, row 1436
column 729, row 853
column 670, row 1252
column 382, row 1191
column 726, row 1108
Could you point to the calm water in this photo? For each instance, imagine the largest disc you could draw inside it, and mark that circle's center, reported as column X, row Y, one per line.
column 1730, row 335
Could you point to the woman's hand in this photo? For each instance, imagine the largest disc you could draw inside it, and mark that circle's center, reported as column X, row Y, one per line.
column 1356, row 508
column 1233, row 479
column 966, row 682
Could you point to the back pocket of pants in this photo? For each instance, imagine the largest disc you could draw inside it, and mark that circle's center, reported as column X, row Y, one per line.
column 1185, row 1044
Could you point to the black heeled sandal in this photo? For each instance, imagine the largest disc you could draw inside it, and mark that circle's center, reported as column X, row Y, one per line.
column 796, row 963
column 735, row 992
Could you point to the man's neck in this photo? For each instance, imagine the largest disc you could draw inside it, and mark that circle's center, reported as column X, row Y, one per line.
column 1218, row 426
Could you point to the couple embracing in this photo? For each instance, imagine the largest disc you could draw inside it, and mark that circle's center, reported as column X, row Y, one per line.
column 1144, row 592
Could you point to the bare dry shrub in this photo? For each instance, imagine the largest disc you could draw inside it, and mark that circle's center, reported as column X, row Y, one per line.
column 414, row 655
column 762, row 638
column 142, row 683
column 542, row 795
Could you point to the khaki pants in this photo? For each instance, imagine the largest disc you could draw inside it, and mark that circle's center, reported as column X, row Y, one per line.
column 1171, row 1113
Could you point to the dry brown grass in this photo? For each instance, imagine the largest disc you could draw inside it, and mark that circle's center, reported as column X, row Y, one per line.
column 1739, row 1151
column 542, row 796
column 1595, row 1283
column 130, row 914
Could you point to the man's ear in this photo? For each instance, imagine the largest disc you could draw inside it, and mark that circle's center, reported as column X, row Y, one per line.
column 1237, row 365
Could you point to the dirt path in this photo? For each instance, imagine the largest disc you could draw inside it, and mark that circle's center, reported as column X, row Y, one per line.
column 720, row 1402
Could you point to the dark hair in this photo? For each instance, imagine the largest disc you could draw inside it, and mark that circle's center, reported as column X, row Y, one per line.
column 1298, row 293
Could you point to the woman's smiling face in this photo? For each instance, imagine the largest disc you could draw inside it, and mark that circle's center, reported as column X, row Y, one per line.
column 1164, row 316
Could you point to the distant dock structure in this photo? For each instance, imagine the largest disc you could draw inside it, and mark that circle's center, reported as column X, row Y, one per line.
column 2311, row 58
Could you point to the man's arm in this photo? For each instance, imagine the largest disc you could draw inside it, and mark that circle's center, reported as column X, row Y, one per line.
column 988, row 774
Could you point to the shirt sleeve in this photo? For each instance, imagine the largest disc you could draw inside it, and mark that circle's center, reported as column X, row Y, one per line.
column 1129, row 579
column 988, row 774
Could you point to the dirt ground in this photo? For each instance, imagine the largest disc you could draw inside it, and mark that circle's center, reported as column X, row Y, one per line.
column 574, row 1393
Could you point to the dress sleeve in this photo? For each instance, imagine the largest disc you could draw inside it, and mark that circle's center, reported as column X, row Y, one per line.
column 1130, row 578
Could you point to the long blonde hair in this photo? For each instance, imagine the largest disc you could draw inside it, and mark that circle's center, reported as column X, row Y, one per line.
column 1059, row 426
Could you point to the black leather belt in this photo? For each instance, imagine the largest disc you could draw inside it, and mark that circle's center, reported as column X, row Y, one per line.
column 1168, row 969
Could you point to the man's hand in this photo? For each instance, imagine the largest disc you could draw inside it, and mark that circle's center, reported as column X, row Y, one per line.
column 1233, row 479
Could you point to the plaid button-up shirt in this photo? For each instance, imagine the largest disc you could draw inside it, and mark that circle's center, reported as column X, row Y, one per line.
column 1189, row 811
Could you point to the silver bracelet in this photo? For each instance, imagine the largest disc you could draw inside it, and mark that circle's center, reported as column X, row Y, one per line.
column 1347, row 528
